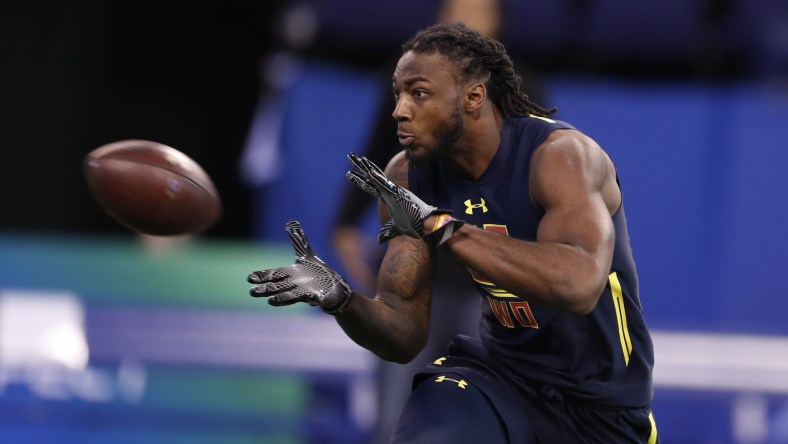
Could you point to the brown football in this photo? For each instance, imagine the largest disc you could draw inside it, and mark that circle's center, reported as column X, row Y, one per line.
column 152, row 188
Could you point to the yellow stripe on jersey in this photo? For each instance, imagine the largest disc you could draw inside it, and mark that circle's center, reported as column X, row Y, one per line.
column 652, row 438
column 621, row 316
column 499, row 292
column 542, row 118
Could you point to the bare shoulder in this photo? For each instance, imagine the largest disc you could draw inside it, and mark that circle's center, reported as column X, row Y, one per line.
column 397, row 169
column 569, row 142
column 571, row 162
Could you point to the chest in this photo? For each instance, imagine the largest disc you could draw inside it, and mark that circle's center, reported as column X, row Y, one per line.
column 501, row 203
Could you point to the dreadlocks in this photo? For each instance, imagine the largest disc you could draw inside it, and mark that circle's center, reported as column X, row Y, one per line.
column 478, row 57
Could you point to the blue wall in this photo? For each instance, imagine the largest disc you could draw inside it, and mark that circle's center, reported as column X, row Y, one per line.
column 705, row 190
column 327, row 113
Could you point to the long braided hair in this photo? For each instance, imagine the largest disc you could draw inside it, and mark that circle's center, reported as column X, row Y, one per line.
column 477, row 57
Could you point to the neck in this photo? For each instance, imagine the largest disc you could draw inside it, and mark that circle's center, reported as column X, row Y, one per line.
column 475, row 150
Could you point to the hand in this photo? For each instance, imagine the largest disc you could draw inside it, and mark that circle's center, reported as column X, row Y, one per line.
column 308, row 280
column 407, row 210
column 387, row 232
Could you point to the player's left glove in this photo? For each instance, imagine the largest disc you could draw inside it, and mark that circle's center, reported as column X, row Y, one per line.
column 308, row 280
column 407, row 210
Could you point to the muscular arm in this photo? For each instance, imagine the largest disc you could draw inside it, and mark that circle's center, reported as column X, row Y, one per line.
column 394, row 324
column 573, row 181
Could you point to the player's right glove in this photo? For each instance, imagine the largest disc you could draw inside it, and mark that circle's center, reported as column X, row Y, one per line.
column 407, row 210
column 387, row 232
column 308, row 280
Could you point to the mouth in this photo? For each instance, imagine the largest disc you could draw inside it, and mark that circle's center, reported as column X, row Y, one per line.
column 405, row 139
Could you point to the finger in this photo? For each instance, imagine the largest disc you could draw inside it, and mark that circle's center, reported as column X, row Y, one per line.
column 290, row 297
column 377, row 177
column 359, row 181
column 371, row 167
column 356, row 161
column 257, row 277
column 270, row 289
column 372, row 175
column 298, row 239
column 366, row 168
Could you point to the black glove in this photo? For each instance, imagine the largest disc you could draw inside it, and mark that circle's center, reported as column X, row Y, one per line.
column 387, row 232
column 308, row 280
column 407, row 210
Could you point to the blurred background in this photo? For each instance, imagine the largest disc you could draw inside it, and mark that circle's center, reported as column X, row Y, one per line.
column 107, row 336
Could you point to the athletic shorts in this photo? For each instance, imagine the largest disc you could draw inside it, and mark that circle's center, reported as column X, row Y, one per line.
column 460, row 399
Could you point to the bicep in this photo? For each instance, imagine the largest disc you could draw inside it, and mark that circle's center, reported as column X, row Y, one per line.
column 570, row 177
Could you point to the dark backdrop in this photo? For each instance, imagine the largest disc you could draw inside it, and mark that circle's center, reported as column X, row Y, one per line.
column 80, row 74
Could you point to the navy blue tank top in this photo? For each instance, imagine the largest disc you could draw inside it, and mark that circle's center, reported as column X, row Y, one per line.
column 604, row 357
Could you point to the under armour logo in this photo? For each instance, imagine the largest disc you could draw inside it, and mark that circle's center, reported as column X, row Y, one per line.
column 461, row 383
column 471, row 206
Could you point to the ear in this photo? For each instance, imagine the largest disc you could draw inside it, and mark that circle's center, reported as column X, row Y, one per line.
column 474, row 96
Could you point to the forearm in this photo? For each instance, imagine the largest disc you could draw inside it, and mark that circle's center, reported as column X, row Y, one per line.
column 558, row 274
column 394, row 324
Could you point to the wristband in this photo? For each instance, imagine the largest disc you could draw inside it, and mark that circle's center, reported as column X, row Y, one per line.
column 445, row 226
column 440, row 221
column 342, row 306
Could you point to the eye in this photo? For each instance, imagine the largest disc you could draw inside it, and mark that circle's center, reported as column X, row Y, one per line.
column 419, row 93
column 395, row 93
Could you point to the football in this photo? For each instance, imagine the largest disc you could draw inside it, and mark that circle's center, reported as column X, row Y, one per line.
column 152, row 188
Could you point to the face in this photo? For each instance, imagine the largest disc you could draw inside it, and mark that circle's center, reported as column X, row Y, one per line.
column 428, row 107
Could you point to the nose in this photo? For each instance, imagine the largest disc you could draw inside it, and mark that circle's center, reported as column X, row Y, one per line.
column 401, row 113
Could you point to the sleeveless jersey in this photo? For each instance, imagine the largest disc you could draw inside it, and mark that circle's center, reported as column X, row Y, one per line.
column 604, row 357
